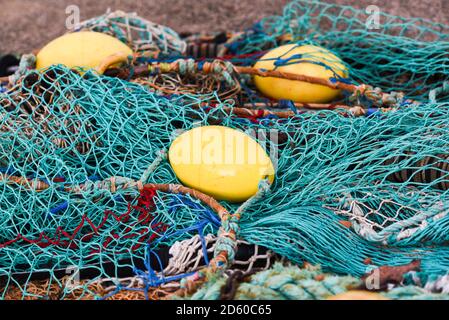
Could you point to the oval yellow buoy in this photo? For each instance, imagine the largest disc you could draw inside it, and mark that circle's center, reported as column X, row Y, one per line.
column 358, row 295
column 84, row 49
column 306, row 60
column 219, row 161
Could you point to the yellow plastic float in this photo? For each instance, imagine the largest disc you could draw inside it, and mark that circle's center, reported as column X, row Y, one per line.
column 85, row 49
column 306, row 60
column 222, row 162
column 358, row 295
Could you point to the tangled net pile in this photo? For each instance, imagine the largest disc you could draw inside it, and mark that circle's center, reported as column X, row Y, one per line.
column 86, row 191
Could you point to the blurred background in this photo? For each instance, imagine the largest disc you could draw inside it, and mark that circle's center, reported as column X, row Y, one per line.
column 29, row 24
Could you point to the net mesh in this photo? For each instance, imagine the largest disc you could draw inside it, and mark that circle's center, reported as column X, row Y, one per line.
column 76, row 149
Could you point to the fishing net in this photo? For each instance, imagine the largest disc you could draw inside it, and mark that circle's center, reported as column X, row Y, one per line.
column 87, row 194
column 400, row 54
column 79, row 209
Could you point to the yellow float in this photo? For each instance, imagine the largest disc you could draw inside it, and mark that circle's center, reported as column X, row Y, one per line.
column 219, row 161
column 306, row 60
column 358, row 295
column 85, row 49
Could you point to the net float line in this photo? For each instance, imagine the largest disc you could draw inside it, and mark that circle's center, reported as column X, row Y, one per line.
column 259, row 111
column 355, row 110
column 298, row 77
column 375, row 95
column 208, row 67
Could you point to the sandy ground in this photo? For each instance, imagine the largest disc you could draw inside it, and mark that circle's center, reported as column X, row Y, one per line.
column 29, row 24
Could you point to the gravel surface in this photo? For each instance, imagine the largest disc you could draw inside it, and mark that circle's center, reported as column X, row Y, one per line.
column 29, row 24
